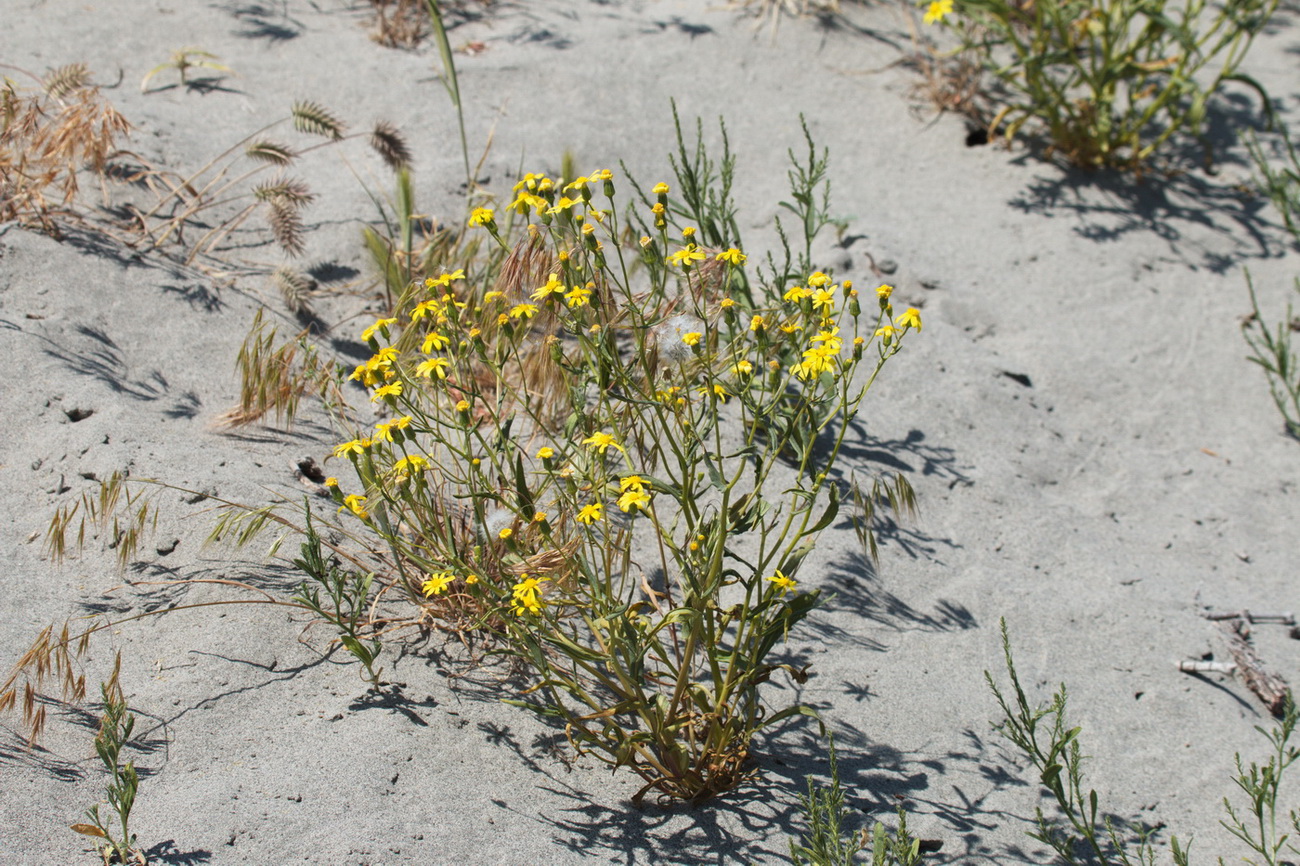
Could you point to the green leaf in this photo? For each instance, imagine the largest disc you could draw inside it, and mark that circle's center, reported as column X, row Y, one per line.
column 715, row 477
column 832, row 509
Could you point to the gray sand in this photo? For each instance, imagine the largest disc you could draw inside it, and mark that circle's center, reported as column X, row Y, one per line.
column 1140, row 475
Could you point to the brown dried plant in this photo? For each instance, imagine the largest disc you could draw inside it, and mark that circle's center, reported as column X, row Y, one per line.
column 771, row 11
column 48, row 135
column 220, row 182
column 405, row 23
column 399, row 23
column 274, row 378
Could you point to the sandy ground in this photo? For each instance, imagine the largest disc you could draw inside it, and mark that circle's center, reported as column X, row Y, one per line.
column 1131, row 472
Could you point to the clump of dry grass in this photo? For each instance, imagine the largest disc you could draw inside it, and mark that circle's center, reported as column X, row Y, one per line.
column 770, row 11
column 48, row 135
column 406, row 23
column 226, row 178
column 274, row 378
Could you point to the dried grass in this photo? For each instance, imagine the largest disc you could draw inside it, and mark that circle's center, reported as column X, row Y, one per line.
column 47, row 137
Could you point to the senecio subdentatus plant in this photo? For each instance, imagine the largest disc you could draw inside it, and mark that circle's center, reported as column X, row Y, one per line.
column 618, row 459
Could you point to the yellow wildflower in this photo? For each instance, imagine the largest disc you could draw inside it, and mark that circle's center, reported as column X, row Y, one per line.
column 818, row 280
column 578, row 295
column 783, row 584
column 434, row 342
column 691, row 338
column 353, row 503
column 481, row 216
column 884, row 291
column 553, row 287
column 527, row 595
column 937, row 11
column 590, row 513
column 546, row 452
column 432, row 366
column 437, row 583
column 634, row 498
column 392, row 389
column 732, row 256
column 525, row 311
column 686, row 256
column 356, row 446
column 824, row 300
column 911, row 318
column 379, row 324
column 757, row 323
column 447, row 279
column 660, row 189
column 600, row 441
column 410, row 463
column 742, row 367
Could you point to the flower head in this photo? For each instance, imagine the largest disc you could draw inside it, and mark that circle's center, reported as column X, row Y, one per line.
column 553, row 287
column 590, row 513
column 910, row 319
column 353, row 503
column 437, row 583
column 937, row 11
column 447, row 279
column 732, row 256
column 392, row 389
column 686, row 255
column 634, row 498
column 783, row 584
column 433, row 366
column 600, row 441
column 527, row 595
column 379, row 325
column 356, row 446
column 523, row 311
column 578, row 295
column 481, row 216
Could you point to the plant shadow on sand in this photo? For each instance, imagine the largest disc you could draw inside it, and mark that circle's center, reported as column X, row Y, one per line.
column 1109, row 205
column 751, row 822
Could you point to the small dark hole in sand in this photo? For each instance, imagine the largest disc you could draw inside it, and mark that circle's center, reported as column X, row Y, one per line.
column 977, row 136
column 78, row 414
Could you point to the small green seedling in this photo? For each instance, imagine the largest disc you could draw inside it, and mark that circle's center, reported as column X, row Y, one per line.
column 182, row 61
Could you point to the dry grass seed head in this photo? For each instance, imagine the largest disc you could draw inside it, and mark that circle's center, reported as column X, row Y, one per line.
column 45, row 140
column 391, row 146
column 295, row 288
column 314, row 119
column 270, row 151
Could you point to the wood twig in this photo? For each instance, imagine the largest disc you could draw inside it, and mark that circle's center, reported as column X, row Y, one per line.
column 1199, row 666
column 1270, row 687
column 1252, row 618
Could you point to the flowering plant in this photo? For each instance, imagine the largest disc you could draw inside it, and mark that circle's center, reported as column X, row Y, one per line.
column 1110, row 80
column 617, row 462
